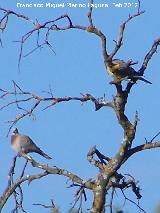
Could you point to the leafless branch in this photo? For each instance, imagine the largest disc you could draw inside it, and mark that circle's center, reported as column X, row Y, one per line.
column 149, row 55
column 30, row 97
column 25, row 165
column 48, row 26
column 119, row 41
column 19, row 203
column 80, row 194
column 111, row 201
column 108, row 176
column 90, row 13
column 142, row 148
column 52, row 207
column 131, row 183
column 13, row 185
column 11, row 189
column 131, row 201
column 17, row 196
column 97, row 163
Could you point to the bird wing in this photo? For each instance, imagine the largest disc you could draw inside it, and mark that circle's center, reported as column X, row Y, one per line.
column 27, row 145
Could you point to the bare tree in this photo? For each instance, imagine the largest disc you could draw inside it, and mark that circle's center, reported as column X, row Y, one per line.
column 109, row 178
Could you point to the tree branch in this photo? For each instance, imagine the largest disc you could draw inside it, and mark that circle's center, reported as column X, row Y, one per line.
column 47, row 170
column 149, row 55
column 119, row 41
column 30, row 97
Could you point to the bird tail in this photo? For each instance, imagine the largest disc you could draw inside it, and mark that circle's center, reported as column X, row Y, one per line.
column 143, row 79
column 43, row 154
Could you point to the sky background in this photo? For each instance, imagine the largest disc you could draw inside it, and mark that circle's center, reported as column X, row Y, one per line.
column 67, row 131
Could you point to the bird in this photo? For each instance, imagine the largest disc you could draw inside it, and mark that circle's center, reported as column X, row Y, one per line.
column 24, row 144
column 120, row 70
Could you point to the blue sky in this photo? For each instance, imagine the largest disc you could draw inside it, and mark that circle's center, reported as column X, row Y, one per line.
column 69, row 130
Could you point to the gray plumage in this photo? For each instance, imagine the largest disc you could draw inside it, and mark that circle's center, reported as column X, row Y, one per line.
column 24, row 144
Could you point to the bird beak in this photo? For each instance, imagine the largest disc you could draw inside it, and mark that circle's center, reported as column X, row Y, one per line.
column 14, row 131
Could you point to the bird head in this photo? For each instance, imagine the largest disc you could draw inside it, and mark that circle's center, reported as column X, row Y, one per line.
column 14, row 131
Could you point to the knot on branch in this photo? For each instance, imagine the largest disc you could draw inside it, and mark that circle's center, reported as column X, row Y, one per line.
column 102, row 159
column 91, row 29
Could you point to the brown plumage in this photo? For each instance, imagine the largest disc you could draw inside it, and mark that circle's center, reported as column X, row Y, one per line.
column 120, row 70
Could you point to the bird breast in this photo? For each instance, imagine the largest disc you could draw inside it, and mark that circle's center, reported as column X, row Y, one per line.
column 15, row 143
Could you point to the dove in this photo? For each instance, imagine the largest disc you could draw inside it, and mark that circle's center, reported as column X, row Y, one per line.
column 24, row 144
